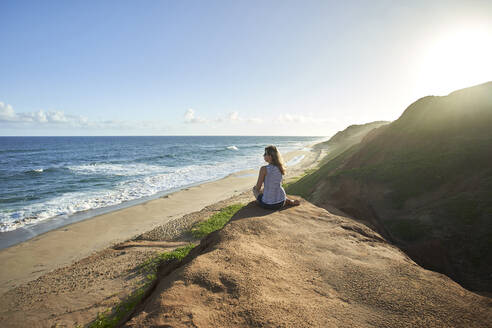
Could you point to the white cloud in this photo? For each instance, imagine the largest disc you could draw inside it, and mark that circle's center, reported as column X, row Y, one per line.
column 255, row 120
column 302, row 119
column 232, row 117
column 291, row 118
column 230, row 123
column 41, row 118
column 235, row 117
column 190, row 117
column 6, row 112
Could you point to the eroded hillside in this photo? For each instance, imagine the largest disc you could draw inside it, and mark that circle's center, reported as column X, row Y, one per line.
column 304, row 267
column 424, row 182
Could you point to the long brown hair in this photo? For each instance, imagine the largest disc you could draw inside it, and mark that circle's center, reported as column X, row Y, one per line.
column 277, row 159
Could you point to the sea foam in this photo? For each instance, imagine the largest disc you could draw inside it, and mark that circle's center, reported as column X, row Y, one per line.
column 163, row 179
column 108, row 171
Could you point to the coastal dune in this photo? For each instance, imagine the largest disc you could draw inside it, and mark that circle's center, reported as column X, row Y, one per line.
column 304, row 267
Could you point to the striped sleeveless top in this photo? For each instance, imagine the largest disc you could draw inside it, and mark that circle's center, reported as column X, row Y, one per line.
column 273, row 192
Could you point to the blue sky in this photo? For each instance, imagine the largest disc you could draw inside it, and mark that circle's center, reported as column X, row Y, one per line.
column 231, row 67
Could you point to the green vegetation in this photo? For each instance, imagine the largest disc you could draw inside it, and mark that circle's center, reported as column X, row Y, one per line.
column 410, row 170
column 306, row 185
column 347, row 138
column 216, row 221
column 427, row 176
column 409, row 230
column 295, row 179
column 340, row 146
column 462, row 209
column 151, row 265
column 111, row 318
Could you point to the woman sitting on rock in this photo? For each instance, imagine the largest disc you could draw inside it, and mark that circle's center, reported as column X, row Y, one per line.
column 273, row 196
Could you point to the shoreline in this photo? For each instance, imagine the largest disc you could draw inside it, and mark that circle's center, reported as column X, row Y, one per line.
column 64, row 245
column 22, row 234
column 30, row 231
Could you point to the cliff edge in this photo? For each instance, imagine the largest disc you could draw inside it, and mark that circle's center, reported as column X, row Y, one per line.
column 304, row 267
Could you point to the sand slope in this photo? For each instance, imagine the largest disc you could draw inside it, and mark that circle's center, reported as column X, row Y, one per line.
column 305, row 267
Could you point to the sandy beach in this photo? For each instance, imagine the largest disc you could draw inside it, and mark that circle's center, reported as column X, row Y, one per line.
column 82, row 242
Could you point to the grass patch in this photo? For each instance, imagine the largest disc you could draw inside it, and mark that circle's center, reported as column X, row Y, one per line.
column 109, row 319
column 297, row 178
column 306, row 185
column 409, row 169
column 216, row 221
column 151, row 265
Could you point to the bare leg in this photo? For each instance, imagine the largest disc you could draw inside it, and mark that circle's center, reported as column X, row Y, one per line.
column 292, row 202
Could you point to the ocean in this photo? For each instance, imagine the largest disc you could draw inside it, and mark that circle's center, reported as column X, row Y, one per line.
column 48, row 178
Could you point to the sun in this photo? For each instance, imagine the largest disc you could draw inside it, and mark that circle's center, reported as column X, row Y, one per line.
column 460, row 57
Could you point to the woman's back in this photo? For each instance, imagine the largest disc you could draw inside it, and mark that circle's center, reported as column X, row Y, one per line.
column 273, row 192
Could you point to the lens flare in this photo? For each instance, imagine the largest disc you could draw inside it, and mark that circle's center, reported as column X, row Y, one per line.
column 459, row 58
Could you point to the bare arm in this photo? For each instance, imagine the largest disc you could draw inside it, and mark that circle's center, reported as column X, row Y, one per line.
column 261, row 178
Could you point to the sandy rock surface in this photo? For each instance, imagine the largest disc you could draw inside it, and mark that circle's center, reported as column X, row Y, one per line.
column 305, row 267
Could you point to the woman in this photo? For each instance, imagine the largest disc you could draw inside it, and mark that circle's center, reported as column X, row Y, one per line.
column 273, row 196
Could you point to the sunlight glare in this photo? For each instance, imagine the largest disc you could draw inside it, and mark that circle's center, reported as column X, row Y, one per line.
column 460, row 58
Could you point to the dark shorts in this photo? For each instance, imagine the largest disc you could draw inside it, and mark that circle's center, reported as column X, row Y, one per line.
column 276, row 206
